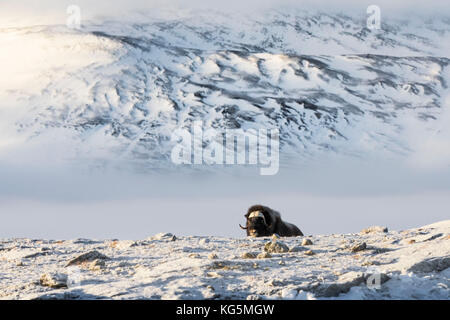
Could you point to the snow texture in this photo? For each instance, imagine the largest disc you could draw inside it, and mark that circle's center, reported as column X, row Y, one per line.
column 410, row 264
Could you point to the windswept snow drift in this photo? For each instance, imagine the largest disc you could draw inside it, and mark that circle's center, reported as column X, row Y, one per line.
column 375, row 264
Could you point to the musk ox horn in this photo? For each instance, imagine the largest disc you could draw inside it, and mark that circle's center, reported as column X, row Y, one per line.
column 245, row 228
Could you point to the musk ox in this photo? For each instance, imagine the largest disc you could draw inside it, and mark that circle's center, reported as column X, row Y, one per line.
column 263, row 221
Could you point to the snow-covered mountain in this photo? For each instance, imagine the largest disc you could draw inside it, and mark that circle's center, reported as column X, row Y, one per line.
column 116, row 89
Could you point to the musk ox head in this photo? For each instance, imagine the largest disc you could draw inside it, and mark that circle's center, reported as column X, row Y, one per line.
column 259, row 222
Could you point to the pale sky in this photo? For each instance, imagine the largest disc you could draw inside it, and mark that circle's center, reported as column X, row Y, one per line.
column 16, row 13
column 399, row 8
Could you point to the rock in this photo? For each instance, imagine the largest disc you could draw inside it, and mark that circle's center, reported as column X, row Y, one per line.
column 435, row 264
column 343, row 284
column 123, row 244
column 248, row 255
column 194, row 255
column 276, row 283
column 309, row 253
column 97, row 265
column 83, row 241
column 164, row 236
column 87, row 257
column 374, row 229
column 276, row 247
column 213, row 274
column 349, row 280
column 124, row 264
column 113, row 244
column 253, row 297
column 282, row 263
column 306, row 242
column 54, row 280
column 359, row 247
column 36, row 254
column 297, row 249
column 275, row 237
column 433, row 237
column 212, row 256
column 264, row 255
column 203, row 241
column 225, row 265
column 376, row 250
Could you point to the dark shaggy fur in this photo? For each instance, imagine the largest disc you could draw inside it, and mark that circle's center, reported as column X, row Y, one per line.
column 270, row 224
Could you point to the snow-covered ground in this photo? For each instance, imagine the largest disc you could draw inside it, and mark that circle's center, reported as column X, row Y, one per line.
column 376, row 263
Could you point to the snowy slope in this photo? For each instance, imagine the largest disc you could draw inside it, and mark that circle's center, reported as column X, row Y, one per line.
column 410, row 264
column 115, row 90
